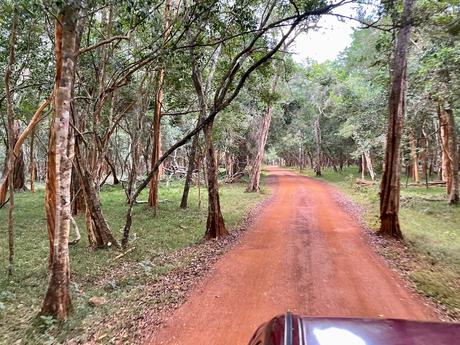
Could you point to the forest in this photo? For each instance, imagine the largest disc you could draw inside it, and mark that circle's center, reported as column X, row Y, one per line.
column 134, row 130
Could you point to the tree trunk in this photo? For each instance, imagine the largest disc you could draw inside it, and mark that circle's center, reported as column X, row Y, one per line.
column 18, row 148
column 318, row 146
column 76, row 193
column 228, row 157
column 191, row 167
column 202, row 114
column 310, row 159
column 370, row 167
column 453, row 157
column 414, row 158
column 19, row 175
column 437, row 157
column 449, row 152
column 136, row 129
column 90, row 171
column 254, row 177
column 32, row 163
column 113, row 170
column 215, row 226
column 390, row 187
column 444, row 130
column 99, row 234
column 424, row 155
column 57, row 301
column 156, row 140
column 11, row 141
column 199, row 166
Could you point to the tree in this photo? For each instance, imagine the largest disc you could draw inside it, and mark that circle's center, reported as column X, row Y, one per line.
column 449, row 151
column 57, row 302
column 156, row 135
column 390, row 186
column 197, row 83
column 261, row 138
column 215, row 226
column 11, row 141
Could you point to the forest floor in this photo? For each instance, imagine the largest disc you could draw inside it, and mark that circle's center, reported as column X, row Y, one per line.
column 168, row 257
column 306, row 253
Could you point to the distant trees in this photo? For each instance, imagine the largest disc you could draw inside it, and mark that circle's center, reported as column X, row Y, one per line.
column 347, row 102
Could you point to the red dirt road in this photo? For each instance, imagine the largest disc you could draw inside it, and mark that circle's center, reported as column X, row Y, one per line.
column 303, row 253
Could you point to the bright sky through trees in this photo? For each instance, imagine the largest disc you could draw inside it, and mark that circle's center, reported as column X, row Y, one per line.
column 332, row 37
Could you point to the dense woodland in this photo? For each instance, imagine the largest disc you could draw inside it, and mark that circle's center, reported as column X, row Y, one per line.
column 134, row 93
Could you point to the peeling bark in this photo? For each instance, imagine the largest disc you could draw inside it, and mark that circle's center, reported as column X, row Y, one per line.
column 449, row 152
column 17, row 147
column 453, row 158
column 99, row 234
column 78, row 200
column 19, row 174
column 254, row 177
column 11, row 141
column 57, row 302
column 414, row 158
column 32, row 163
column 215, row 226
column 156, row 139
column 390, row 186
column 194, row 148
column 370, row 168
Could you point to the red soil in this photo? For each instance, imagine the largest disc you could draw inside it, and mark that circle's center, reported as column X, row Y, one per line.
column 303, row 253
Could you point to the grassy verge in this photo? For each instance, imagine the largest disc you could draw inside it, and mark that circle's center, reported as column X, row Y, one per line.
column 98, row 273
column 430, row 256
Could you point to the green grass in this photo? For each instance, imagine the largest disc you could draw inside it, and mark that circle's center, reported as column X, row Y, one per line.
column 431, row 229
column 96, row 273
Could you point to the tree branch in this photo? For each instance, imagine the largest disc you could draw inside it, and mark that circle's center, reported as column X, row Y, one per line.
column 101, row 43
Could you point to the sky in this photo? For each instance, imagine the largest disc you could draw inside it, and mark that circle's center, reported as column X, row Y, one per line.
column 327, row 42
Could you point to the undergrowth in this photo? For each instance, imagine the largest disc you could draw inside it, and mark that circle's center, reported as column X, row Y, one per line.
column 98, row 273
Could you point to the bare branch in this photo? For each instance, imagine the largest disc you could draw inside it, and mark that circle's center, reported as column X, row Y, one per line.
column 177, row 113
column 101, row 43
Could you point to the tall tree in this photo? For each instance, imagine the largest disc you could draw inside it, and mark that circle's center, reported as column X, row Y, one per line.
column 390, row 186
column 156, row 132
column 192, row 159
column 57, row 300
column 11, row 139
column 449, row 151
column 215, row 225
column 261, row 140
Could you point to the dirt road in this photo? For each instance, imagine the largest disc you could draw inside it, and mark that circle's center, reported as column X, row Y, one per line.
column 303, row 253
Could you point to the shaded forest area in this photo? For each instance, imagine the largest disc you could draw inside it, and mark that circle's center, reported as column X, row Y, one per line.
column 122, row 117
